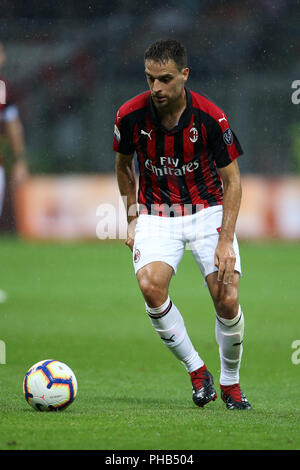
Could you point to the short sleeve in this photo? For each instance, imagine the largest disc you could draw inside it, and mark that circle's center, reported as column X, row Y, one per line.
column 123, row 135
column 8, row 108
column 223, row 142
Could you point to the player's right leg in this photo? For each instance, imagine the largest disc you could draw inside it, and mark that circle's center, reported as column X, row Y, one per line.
column 155, row 261
column 154, row 279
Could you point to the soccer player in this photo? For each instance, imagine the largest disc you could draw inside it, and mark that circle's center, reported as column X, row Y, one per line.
column 13, row 130
column 189, row 195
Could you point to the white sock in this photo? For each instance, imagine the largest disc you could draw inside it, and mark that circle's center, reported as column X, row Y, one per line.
column 229, row 335
column 169, row 324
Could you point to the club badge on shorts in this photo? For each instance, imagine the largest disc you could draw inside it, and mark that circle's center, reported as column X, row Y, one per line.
column 228, row 137
column 137, row 255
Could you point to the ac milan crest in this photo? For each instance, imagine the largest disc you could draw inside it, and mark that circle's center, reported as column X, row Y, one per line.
column 137, row 255
column 193, row 135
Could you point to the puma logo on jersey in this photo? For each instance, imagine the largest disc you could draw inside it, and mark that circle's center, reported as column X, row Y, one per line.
column 223, row 118
column 146, row 133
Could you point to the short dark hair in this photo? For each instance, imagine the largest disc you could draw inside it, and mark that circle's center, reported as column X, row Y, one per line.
column 164, row 50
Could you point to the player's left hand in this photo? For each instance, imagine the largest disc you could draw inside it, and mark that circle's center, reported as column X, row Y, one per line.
column 225, row 261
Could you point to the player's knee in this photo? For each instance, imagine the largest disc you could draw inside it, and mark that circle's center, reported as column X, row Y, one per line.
column 227, row 304
column 154, row 293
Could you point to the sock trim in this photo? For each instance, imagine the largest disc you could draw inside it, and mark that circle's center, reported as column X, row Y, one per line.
column 224, row 324
column 161, row 314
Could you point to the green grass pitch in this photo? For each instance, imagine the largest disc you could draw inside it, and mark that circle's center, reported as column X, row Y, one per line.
column 80, row 304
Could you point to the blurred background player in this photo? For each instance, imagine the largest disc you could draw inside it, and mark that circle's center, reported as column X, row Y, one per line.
column 12, row 129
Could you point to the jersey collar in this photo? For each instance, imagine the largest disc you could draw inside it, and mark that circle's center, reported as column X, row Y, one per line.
column 184, row 120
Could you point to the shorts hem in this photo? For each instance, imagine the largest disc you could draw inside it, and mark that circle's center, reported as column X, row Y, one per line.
column 153, row 260
column 215, row 270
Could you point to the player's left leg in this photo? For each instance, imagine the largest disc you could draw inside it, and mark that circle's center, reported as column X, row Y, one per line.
column 229, row 335
column 229, row 316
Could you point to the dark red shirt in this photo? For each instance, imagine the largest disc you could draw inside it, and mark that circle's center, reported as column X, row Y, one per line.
column 177, row 168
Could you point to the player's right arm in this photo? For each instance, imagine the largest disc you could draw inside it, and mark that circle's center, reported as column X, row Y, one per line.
column 127, row 185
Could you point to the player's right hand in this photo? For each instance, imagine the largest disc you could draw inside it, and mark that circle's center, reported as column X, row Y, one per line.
column 131, row 233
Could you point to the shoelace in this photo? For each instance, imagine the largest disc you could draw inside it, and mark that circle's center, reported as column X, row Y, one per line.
column 233, row 391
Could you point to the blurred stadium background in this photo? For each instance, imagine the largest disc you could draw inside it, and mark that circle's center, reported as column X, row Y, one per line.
column 71, row 65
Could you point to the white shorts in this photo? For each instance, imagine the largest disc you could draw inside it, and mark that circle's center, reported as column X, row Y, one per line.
column 2, row 187
column 165, row 239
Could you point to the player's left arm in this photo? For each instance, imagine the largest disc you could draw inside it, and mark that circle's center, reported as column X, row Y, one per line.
column 224, row 254
column 15, row 134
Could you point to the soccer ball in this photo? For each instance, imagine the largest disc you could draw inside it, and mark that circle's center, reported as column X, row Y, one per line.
column 50, row 386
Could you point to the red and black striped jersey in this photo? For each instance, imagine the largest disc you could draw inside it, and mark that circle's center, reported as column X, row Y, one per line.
column 178, row 167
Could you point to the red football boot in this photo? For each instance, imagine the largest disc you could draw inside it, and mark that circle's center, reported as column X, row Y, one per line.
column 234, row 398
column 203, row 390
